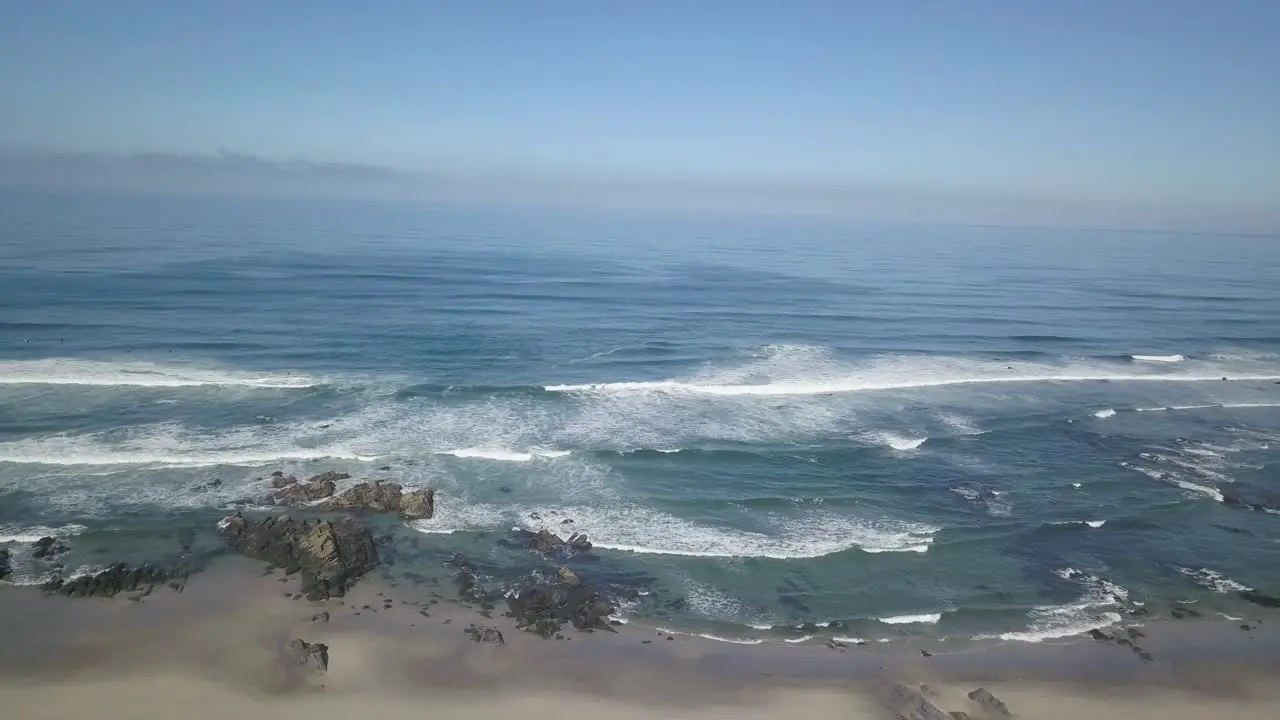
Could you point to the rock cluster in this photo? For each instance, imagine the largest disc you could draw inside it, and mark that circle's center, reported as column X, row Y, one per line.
column 48, row 548
column 379, row 497
column 116, row 579
column 911, row 704
column 312, row 657
column 543, row 607
column 547, row 542
column 330, row 555
column 485, row 634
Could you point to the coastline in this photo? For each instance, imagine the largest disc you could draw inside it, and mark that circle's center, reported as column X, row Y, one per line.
column 220, row 645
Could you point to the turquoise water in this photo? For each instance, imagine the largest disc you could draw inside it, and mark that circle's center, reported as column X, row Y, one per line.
column 759, row 423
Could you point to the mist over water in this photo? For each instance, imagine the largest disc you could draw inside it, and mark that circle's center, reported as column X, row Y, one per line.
column 879, row 430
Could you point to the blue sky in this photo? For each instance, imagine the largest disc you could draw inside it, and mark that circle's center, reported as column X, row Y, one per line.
column 1090, row 109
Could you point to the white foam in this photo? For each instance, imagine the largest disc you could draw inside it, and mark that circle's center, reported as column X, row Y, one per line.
column 1075, row 485
column 1087, row 613
column 810, row 534
column 849, row 640
column 1105, row 413
column 504, row 455
column 453, row 515
column 32, row 533
column 799, row 370
column 1095, row 523
column 1090, row 523
column 1173, row 479
column 70, row 371
column 1213, row 580
column 1158, row 358
column 795, row 641
column 927, row 618
column 1057, row 628
column 901, row 443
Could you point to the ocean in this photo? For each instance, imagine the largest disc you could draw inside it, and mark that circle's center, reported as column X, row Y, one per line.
column 772, row 429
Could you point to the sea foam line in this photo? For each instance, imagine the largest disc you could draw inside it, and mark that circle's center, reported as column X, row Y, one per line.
column 69, row 371
column 853, row 385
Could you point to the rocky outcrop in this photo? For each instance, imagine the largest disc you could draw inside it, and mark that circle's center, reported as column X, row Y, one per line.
column 311, row 657
column 310, row 491
column 116, row 579
column 542, row 608
column 6, row 567
column 912, row 705
column 991, row 705
column 330, row 555
column 387, row 497
column 1247, row 498
column 547, row 542
column 47, row 548
column 279, row 480
column 569, row 578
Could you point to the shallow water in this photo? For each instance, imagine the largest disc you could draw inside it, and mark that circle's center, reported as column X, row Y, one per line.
column 906, row 429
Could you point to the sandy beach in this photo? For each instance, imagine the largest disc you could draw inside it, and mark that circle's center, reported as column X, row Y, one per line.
column 221, row 646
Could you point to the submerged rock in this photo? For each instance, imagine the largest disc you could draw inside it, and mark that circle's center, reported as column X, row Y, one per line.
column 47, row 548
column 279, row 480
column 1258, row 598
column 991, row 705
column 485, row 634
column 6, row 568
column 330, row 555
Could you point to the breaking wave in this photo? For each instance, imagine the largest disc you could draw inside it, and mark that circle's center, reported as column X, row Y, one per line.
column 69, row 371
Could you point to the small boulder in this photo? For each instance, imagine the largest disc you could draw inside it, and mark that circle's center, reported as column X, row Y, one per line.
column 375, row 497
column 47, row 548
column 485, row 634
column 991, row 705
column 313, row 657
column 330, row 555
column 309, row 491
column 279, row 480
column 418, row 504
column 569, row 577
column 912, row 705
column 329, row 476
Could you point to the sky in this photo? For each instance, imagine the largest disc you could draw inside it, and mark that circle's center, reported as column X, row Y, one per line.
column 1087, row 112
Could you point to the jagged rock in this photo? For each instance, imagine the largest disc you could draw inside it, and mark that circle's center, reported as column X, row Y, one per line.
column 331, row 555
column 279, row 480
column 991, row 705
column 314, row 657
column 6, row 568
column 418, row 504
column 541, row 608
column 910, row 704
column 546, row 542
column 47, row 548
column 330, row 476
column 569, row 577
column 322, row 617
column 116, row 579
column 306, row 492
column 483, row 633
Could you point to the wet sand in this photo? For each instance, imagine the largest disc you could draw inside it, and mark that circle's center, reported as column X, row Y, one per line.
column 219, row 647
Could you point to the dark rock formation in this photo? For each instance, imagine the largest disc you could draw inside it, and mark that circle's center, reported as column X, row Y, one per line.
column 47, row 548
column 1247, row 498
column 116, row 579
column 547, row 542
column 5, row 567
column 313, row 657
column 1258, row 598
column 309, row 491
column 485, row 634
column 542, row 608
column 569, row 577
column 330, row 555
column 912, row 705
column 386, row 497
column 279, row 480
column 991, row 705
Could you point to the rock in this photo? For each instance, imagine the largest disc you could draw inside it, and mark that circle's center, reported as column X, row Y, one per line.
column 309, row 491
column 485, row 634
column 959, row 715
column 279, row 480
column 6, row 567
column 330, row 555
column 314, row 657
column 1258, row 598
column 1180, row 613
column 991, row 705
column 569, row 577
column 541, row 608
column 579, row 542
column 116, row 579
column 1099, row 635
column 925, row 653
column 47, row 548
column 418, row 504
column 322, row 617
column 910, row 704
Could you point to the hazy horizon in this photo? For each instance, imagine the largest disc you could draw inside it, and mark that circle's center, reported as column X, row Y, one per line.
column 1134, row 115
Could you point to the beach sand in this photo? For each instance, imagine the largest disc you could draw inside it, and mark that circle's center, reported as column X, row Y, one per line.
column 219, row 648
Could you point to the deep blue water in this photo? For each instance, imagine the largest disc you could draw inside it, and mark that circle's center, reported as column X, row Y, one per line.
column 761, row 422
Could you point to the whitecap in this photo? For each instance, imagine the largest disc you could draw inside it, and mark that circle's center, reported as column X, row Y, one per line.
column 1105, row 413
column 32, row 533
column 1213, row 580
column 504, row 455
column 1158, row 358
column 927, row 618
column 1095, row 523
column 849, row 640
